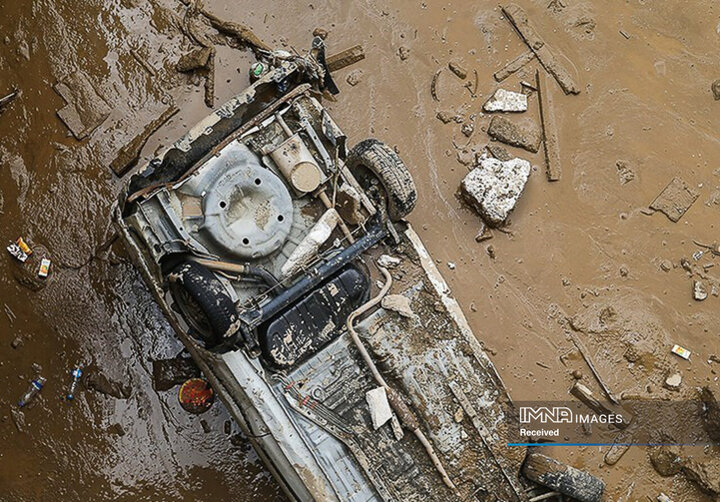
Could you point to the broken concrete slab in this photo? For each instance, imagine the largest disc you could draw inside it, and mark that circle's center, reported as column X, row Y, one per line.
column 85, row 109
column 345, row 58
column 524, row 134
column 673, row 381
column 380, row 411
column 503, row 100
column 499, row 152
column 494, row 187
column 675, row 199
column 399, row 304
column 699, row 291
column 388, row 261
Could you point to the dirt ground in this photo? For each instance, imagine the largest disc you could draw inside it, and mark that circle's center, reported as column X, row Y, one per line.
column 581, row 255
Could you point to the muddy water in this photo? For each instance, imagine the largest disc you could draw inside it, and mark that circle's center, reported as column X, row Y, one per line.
column 581, row 248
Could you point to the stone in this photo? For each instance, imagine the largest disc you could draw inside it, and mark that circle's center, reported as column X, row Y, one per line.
column 354, row 77
column 388, row 261
column 666, row 460
column 506, row 101
column 399, row 304
column 380, row 411
column 194, row 60
column 494, row 187
column 666, row 265
column 699, row 291
column 625, row 172
column 403, row 53
column 524, row 134
column 673, row 381
column 675, row 199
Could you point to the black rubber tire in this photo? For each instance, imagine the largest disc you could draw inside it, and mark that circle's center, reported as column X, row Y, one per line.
column 208, row 293
column 390, row 170
column 563, row 478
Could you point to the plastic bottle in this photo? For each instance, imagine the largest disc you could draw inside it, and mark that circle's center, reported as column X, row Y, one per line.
column 76, row 374
column 34, row 389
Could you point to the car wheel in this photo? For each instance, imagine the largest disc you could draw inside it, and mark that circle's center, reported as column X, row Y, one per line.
column 385, row 165
column 204, row 302
column 562, row 478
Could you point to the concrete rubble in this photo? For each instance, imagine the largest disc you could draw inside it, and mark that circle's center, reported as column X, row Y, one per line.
column 494, row 187
column 699, row 291
column 399, row 304
column 523, row 134
column 506, row 101
column 675, row 199
column 380, row 411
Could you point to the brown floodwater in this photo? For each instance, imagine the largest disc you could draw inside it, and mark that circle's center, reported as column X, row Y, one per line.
column 582, row 248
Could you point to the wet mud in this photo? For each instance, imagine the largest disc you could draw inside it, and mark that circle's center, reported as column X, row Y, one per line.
column 581, row 258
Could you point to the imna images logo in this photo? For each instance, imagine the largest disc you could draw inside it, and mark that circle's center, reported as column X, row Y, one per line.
column 544, row 414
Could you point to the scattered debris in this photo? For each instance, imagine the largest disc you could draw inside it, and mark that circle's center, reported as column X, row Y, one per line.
column 665, row 459
column 565, row 479
column 446, row 117
column 345, row 58
column 167, row 373
column 354, row 77
column 143, row 62
column 32, row 391
column 673, row 381
column 494, row 187
column 27, row 273
column 699, row 290
column 433, row 85
column 76, row 373
column 666, row 265
column 44, row 268
column 706, row 475
column 549, row 135
column 675, row 199
column 320, row 32
column 9, row 98
column 196, row 59
column 716, row 90
column 514, row 65
column 620, row 446
column 627, row 37
column 116, row 430
column 129, row 154
column 697, row 255
column 625, row 173
column 506, row 101
column 205, row 426
column 714, row 247
column 451, row 265
column 681, row 351
column 399, row 304
column 663, row 498
column 472, row 87
column 380, row 411
column 458, row 70
column 16, row 252
column 18, row 418
column 96, row 381
column 524, row 134
column 17, row 342
column 468, row 128
column 545, row 55
column 585, row 395
column 499, row 152
column 484, row 233
column 583, row 352
column 403, row 52
column 85, row 109
column 387, row 261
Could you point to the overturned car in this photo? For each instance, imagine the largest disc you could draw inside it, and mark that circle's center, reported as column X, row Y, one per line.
column 281, row 258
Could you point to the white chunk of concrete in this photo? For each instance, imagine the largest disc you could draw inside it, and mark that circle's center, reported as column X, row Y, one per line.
column 380, row 411
column 506, row 101
column 494, row 187
column 399, row 304
column 388, row 261
column 308, row 247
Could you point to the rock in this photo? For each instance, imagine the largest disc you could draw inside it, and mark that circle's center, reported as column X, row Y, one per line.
column 467, row 129
column 404, row 53
column 494, row 187
column 506, row 101
column 447, row 116
column 705, row 474
column 499, row 152
column 716, row 90
column 577, row 374
column 167, row 373
column 699, row 290
column 673, row 381
column 490, row 250
column 624, row 271
column 524, row 134
column 625, row 173
column 85, row 109
column 17, row 342
column 399, row 304
column 205, row 426
column 380, row 411
column 451, row 265
column 116, row 430
column 459, row 415
column 194, row 60
column 665, row 460
column 458, row 70
column 96, row 381
column 388, row 261
column 320, row 32
column 354, row 77
column 666, row 265
column 663, row 498
column 675, row 199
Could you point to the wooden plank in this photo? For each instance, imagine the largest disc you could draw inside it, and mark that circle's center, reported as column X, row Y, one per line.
column 345, row 58
column 545, row 55
column 549, row 132
column 514, row 65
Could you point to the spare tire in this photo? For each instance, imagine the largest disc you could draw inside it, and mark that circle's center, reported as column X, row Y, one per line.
column 204, row 302
column 563, row 478
column 387, row 167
